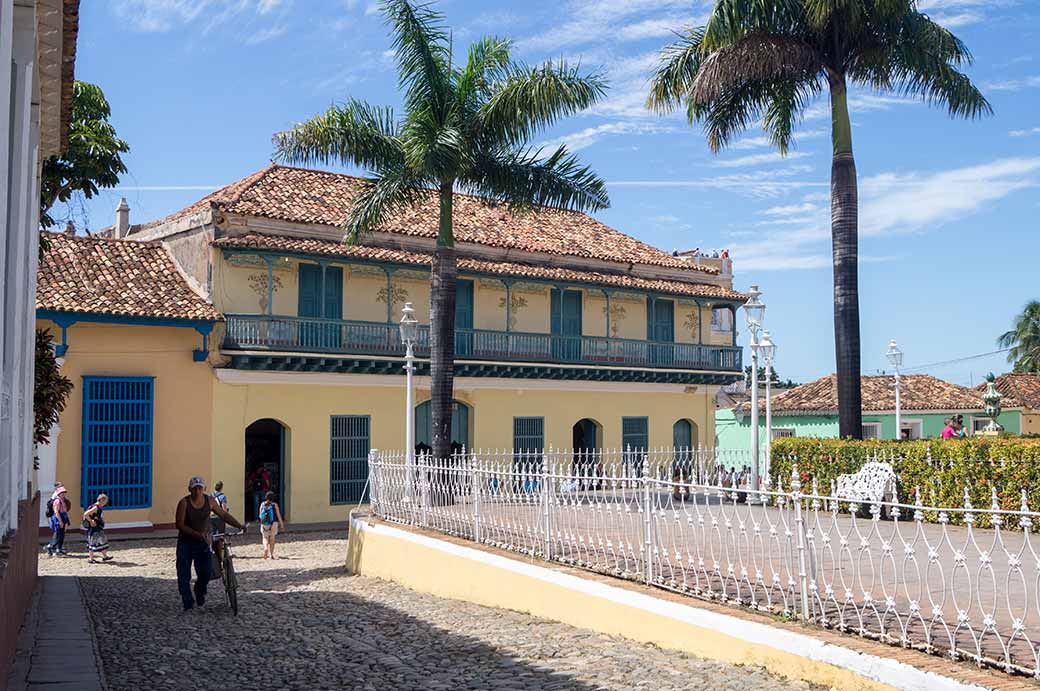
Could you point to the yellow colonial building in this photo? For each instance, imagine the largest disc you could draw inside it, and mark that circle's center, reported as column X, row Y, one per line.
column 569, row 334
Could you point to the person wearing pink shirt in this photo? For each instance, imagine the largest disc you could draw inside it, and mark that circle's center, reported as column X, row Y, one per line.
column 948, row 431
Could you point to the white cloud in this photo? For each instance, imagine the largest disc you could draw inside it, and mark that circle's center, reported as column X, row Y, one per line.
column 593, row 21
column 890, row 203
column 759, row 159
column 1031, row 82
column 165, row 15
column 952, row 21
column 264, row 35
column 1025, row 133
column 590, row 135
column 766, row 183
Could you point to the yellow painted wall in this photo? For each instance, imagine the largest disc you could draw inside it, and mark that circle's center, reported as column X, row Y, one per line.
column 305, row 410
column 1030, row 422
column 487, row 311
column 183, row 403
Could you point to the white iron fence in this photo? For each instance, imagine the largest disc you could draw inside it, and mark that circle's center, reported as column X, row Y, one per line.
column 911, row 575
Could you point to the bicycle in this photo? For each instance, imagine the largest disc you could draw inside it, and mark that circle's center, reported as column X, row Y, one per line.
column 228, row 575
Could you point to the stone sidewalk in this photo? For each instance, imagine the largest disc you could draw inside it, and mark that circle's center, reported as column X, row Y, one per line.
column 56, row 650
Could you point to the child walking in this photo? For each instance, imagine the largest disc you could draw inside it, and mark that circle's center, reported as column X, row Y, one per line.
column 270, row 516
column 94, row 522
column 58, row 513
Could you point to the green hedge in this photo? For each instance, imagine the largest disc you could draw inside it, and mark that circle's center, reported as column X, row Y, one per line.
column 942, row 469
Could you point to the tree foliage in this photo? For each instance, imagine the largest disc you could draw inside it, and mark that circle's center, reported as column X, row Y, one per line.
column 51, row 390
column 766, row 61
column 1023, row 340
column 93, row 159
column 466, row 126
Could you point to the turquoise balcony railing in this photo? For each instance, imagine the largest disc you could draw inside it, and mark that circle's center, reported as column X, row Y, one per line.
column 312, row 335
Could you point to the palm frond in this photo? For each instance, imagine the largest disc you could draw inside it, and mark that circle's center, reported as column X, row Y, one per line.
column 732, row 20
column 352, row 133
column 393, row 188
column 756, row 57
column 421, row 47
column 676, row 72
column 785, row 105
column 487, row 62
column 432, row 148
column 921, row 61
column 530, row 99
column 523, row 179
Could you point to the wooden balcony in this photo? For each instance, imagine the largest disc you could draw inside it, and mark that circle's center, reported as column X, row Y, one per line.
column 333, row 336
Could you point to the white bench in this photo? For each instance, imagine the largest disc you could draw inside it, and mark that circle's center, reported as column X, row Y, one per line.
column 873, row 483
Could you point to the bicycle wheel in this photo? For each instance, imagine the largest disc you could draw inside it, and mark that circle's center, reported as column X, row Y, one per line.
column 230, row 583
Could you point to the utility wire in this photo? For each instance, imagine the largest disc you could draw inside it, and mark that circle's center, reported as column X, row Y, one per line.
column 955, row 360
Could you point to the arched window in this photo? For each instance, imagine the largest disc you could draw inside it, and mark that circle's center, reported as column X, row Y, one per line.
column 459, row 424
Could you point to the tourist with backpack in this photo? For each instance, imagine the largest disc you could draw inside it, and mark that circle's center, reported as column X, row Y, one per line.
column 270, row 517
column 94, row 524
column 58, row 512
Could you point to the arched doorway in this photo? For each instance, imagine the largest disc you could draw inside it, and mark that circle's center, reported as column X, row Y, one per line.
column 684, row 449
column 586, row 437
column 424, row 426
column 265, row 453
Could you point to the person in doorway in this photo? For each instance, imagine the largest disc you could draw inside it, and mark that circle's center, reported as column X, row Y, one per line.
column 219, row 526
column 58, row 512
column 948, row 432
column 270, row 516
column 94, row 524
column 258, row 484
column 193, row 541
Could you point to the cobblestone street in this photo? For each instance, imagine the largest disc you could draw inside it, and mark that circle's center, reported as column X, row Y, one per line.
column 305, row 625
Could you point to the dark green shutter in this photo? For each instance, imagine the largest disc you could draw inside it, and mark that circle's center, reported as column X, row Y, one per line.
column 528, row 439
column 459, row 423
column 463, row 317
column 634, row 433
column 348, row 458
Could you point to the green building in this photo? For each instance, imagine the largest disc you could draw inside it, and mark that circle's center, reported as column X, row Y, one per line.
column 811, row 410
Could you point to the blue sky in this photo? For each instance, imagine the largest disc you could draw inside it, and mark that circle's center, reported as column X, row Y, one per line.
column 949, row 241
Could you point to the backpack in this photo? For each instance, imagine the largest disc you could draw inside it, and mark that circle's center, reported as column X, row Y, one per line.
column 49, row 513
column 267, row 514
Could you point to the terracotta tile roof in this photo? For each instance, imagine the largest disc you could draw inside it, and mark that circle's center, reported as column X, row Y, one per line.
column 312, row 196
column 917, row 392
column 327, row 247
column 1018, row 389
column 117, row 277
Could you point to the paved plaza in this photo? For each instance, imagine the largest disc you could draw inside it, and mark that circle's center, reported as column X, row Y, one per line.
column 304, row 624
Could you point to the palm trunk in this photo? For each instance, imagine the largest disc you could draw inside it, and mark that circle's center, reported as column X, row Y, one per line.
column 442, row 328
column 845, row 241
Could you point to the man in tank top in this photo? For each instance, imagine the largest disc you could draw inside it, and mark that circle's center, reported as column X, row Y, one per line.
column 193, row 541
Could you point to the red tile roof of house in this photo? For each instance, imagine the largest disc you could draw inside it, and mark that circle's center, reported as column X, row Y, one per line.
column 1018, row 389
column 301, row 195
column 339, row 249
column 115, row 277
column 917, row 392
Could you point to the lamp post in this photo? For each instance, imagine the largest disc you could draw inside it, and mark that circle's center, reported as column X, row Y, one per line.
column 895, row 358
column 409, row 334
column 755, row 311
column 767, row 349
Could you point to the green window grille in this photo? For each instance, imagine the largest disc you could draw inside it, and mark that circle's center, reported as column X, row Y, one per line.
column 348, row 458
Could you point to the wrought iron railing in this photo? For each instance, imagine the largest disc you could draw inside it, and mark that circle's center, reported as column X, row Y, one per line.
column 312, row 335
column 911, row 575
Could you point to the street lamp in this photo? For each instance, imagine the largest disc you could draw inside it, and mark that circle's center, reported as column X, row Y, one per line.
column 755, row 311
column 409, row 334
column 895, row 358
column 767, row 349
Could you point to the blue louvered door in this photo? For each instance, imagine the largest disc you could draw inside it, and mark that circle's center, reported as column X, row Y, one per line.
column 116, row 456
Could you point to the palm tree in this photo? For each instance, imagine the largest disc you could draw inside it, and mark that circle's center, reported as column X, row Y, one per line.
column 1024, row 340
column 465, row 127
column 769, row 59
